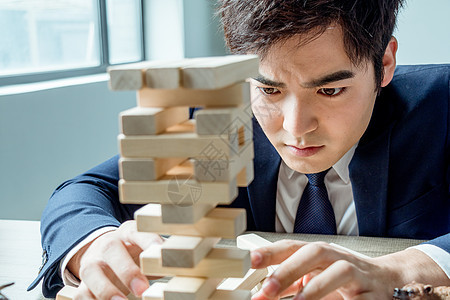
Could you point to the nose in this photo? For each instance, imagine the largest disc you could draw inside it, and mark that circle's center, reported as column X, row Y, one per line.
column 299, row 116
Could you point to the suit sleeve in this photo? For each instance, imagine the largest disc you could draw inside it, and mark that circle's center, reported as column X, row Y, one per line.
column 77, row 208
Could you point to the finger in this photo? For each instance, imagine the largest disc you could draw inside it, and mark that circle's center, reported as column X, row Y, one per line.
column 128, row 233
column 309, row 258
column 98, row 283
column 275, row 253
column 116, row 256
column 83, row 293
column 337, row 275
column 294, row 288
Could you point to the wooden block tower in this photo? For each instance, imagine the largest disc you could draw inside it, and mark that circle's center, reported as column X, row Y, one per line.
column 183, row 168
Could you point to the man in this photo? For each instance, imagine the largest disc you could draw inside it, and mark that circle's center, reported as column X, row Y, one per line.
column 327, row 102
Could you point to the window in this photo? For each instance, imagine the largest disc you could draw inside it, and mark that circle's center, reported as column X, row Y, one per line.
column 48, row 39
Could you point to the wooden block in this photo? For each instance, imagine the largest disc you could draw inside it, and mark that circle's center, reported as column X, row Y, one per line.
column 66, row 293
column 169, row 144
column 186, row 251
column 146, row 169
column 221, row 168
column 245, row 177
column 220, row 222
column 250, row 280
column 151, row 120
column 156, row 292
column 165, row 76
column 219, row 263
column 169, row 75
column 129, row 76
column 177, row 190
column 220, row 71
column 185, row 214
column 217, row 120
column 245, row 134
column 231, row 295
column 251, row 242
column 188, row 288
column 234, row 95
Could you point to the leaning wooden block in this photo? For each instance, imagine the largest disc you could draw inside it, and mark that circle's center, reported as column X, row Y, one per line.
column 250, row 280
column 130, row 76
column 146, row 169
column 188, row 288
column 219, row 120
column 66, row 293
column 220, row 222
column 186, row 251
column 251, row 241
column 221, row 168
column 218, row 72
column 151, row 120
column 185, row 214
column 177, row 190
column 234, row 95
column 219, row 263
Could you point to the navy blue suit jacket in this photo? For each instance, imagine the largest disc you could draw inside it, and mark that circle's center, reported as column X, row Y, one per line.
column 400, row 175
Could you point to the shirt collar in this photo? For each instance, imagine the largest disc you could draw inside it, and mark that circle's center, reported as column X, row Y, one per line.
column 341, row 166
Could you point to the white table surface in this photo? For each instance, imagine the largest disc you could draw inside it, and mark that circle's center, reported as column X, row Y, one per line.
column 20, row 258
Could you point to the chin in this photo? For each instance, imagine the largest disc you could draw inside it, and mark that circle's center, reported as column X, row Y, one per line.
column 307, row 165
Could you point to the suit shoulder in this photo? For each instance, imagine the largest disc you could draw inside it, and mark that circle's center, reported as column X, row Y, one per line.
column 420, row 70
column 416, row 86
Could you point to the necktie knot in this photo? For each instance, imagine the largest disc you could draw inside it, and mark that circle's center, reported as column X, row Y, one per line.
column 317, row 179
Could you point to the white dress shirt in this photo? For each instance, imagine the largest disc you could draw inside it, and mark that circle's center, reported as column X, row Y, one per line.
column 290, row 187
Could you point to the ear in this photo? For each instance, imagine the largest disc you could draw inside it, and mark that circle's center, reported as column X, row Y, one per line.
column 389, row 61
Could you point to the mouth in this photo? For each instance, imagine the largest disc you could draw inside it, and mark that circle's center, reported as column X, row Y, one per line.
column 304, row 151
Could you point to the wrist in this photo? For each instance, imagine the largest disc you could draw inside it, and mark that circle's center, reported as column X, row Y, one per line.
column 74, row 263
column 411, row 265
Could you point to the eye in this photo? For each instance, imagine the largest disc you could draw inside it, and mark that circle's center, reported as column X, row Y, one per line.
column 268, row 90
column 428, row 289
column 331, row 91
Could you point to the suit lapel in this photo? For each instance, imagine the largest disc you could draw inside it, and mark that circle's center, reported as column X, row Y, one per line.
column 369, row 171
column 263, row 190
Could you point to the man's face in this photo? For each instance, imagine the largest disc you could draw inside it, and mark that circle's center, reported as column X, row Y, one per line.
column 312, row 102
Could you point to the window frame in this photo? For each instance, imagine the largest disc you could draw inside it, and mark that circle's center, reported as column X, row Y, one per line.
column 24, row 78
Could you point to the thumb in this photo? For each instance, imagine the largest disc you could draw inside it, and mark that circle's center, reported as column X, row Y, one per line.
column 144, row 240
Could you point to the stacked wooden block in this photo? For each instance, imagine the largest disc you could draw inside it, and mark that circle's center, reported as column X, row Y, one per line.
column 183, row 168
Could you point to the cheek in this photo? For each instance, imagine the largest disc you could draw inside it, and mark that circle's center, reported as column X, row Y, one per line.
column 348, row 122
column 358, row 116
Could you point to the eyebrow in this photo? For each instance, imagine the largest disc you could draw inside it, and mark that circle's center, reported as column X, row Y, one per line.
column 329, row 78
column 267, row 81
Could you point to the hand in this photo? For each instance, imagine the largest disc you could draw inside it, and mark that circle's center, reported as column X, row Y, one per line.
column 320, row 271
column 109, row 266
